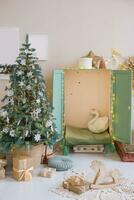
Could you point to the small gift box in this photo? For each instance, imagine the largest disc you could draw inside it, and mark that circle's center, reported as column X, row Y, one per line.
column 3, row 163
column 22, row 167
column 48, row 172
column 2, row 173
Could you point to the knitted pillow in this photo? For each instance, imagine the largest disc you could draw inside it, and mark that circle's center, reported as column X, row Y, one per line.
column 61, row 163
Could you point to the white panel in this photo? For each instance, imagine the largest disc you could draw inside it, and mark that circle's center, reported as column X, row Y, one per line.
column 40, row 43
column 9, row 45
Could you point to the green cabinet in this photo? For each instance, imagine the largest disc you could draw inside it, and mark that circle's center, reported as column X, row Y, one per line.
column 120, row 103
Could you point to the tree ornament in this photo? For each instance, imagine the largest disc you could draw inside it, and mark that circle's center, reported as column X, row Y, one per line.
column 23, row 62
column 6, row 130
column 26, row 133
column 28, row 87
column 19, row 73
column 38, row 110
column 36, row 81
column 29, row 74
column 11, row 101
column 38, row 100
column 49, row 123
column 3, row 113
column 12, row 133
column 37, row 137
column 21, row 84
column 7, row 120
column 10, row 93
column 24, row 100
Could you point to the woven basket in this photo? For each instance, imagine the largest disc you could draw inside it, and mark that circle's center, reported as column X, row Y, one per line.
column 35, row 151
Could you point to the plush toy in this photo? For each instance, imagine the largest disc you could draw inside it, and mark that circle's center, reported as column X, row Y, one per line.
column 98, row 124
column 104, row 178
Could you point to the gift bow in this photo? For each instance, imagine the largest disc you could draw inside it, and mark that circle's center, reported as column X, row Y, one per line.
column 24, row 172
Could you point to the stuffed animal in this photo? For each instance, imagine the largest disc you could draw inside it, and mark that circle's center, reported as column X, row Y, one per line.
column 98, row 124
column 103, row 177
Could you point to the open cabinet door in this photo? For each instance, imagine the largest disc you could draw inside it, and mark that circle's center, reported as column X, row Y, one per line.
column 58, row 76
column 121, row 105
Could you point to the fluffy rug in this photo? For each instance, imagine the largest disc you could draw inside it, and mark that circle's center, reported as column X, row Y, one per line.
column 124, row 191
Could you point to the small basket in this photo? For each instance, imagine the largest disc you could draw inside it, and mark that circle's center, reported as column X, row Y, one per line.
column 35, row 151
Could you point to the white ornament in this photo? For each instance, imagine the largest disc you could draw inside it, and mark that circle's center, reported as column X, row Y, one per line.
column 24, row 100
column 21, row 84
column 26, row 133
column 26, row 51
column 29, row 74
column 35, row 80
column 7, row 120
column 37, row 137
column 10, row 93
column 38, row 100
column 52, row 129
column 48, row 123
column 19, row 73
column 34, row 114
column 33, row 67
column 11, row 101
column 5, row 130
column 23, row 62
column 38, row 110
column 18, row 122
column 28, row 87
column 3, row 113
column 12, row 133
column 40, row 94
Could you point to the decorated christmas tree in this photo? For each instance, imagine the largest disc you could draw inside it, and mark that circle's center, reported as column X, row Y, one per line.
column 26, row 117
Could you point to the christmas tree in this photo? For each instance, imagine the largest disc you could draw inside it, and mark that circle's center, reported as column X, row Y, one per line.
column 26, row 118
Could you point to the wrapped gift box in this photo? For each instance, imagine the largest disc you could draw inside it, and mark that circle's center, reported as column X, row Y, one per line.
column 22, row 165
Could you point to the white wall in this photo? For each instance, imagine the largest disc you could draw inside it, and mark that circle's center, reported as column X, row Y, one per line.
column 74, row 27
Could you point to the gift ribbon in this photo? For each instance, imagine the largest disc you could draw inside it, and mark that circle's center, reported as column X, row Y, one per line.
column 24, row 172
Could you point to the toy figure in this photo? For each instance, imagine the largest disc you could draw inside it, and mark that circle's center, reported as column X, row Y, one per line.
column 98, row 124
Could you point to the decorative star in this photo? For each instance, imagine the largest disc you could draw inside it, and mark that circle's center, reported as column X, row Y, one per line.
column 12, row 133
column 37, row 137
column 38, row 110
column 28, row 87
column 19, row 73
column 11, row 101
column 10, row 93
column 40, row 94
column 21, row 84
column 38, row 100
column 29, row 74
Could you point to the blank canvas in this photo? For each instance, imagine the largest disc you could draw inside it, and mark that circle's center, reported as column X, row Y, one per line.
column 40, row 43
column 9, row 45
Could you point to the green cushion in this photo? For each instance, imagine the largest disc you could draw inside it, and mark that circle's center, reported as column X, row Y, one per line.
column 60, row 163
column 75, row 136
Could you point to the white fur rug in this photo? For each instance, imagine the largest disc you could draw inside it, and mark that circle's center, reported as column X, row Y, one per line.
column 124, row 191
